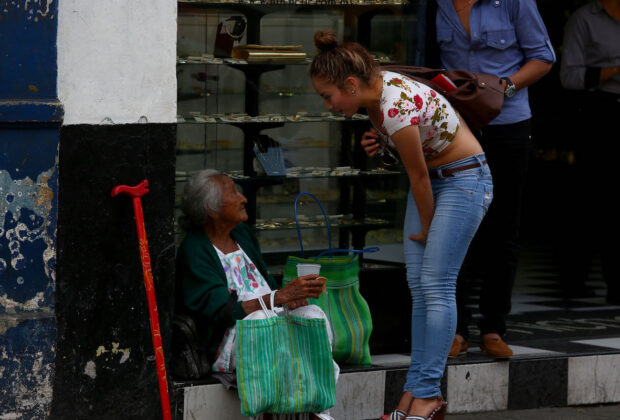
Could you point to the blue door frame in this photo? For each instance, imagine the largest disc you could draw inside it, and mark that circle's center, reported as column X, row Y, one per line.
column 30, row 118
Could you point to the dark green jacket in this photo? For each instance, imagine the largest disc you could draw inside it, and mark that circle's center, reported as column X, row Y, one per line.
column 202, row 288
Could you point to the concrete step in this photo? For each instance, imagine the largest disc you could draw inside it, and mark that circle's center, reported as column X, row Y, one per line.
column 469, row 386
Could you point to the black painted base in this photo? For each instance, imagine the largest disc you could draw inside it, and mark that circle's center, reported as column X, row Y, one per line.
column 105, row 365
column 386, row 291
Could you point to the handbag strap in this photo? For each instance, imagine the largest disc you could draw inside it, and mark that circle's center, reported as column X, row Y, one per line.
column 329, row 232
column 355, row 252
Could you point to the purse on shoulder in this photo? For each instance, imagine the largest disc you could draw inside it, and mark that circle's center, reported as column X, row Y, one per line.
column 478, row 97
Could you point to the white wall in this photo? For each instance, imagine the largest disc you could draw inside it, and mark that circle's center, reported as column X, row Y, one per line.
column 117, row 59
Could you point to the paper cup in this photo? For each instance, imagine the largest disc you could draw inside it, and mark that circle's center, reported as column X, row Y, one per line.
column 305, row 269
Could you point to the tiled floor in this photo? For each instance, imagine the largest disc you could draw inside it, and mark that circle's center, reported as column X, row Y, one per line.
column 542, row 322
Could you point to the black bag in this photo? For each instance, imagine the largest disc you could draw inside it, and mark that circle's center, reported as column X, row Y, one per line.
column 189, row 357
column 478, row 97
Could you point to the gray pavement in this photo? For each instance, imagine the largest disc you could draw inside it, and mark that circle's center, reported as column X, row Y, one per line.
column 594, row 412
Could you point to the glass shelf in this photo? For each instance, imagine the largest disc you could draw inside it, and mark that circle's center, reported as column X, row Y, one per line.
column 265, row 119
column 202, row 60
column 182, row 176
column 265, row 93
column 289, row 224
column 235, row 62
column 320, row 3
column 319, row 223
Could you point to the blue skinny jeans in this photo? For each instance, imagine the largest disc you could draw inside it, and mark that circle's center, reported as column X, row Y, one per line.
column 461, row 201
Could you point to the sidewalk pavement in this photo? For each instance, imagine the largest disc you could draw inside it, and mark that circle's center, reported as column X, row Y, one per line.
column 595, row 412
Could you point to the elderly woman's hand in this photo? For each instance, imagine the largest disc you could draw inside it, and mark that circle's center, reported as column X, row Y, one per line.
column 303, row 287
column 295, row 294
column 297, row 304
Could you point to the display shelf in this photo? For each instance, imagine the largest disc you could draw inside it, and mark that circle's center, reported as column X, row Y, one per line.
column 357, row 13
column 269, row 65
column 281, row 224
column 335, row 221
column 182, row 176
column 206, row 151
column 320, row 3
column 265, row 120
column 293, row 3
column 288, row 200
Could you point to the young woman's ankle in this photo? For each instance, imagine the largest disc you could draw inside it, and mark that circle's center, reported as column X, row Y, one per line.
column 424, row 406
column 405, row 401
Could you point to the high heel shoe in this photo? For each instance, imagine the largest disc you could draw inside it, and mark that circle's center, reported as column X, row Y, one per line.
column 439, row 413
column 395, row 415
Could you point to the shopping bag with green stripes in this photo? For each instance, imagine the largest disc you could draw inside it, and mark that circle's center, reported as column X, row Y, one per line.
column 346, row 309
column 284, row 365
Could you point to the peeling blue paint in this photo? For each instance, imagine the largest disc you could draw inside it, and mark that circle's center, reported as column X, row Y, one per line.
column 30, row 117
column 26, row 366
column 28, row 213
column 28, row 243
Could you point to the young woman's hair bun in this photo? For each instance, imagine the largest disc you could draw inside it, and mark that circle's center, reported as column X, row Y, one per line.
column 325, row 40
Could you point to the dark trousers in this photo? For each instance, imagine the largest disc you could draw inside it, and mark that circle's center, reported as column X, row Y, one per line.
column 494, row 251
column 592, row 222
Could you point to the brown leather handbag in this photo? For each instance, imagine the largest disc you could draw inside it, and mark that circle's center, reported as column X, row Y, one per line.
column 477, row 97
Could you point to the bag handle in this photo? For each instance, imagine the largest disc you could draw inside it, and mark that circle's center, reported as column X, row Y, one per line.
column 355, row 252
column 268, row 312
column 329, row 232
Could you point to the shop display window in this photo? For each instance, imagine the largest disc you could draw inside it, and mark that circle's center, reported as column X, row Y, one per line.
column 253, row 114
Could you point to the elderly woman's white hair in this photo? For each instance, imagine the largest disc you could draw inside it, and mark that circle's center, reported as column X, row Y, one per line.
column 202, row 195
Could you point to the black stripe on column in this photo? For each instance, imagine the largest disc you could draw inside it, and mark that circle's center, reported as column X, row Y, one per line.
column 537, row 383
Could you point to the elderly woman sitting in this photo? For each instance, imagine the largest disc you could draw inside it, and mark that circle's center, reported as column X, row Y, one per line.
column 221, row 272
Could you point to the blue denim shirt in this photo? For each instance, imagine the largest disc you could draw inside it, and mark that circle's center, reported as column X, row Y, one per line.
column 505, row 34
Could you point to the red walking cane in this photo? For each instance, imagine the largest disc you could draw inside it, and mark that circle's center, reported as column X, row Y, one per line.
column 135, row 193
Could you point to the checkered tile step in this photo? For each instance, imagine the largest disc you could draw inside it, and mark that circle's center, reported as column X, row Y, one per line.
column 468, row 387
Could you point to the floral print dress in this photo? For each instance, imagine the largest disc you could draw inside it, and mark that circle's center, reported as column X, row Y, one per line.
column 244, row 278
column 405, row 102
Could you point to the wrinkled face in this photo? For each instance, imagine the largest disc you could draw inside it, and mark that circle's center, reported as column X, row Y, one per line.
column 233, row 202
column 336, row 99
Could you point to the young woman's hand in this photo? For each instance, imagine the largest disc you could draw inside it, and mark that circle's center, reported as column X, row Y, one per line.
column 369, row 142
column 420, row 237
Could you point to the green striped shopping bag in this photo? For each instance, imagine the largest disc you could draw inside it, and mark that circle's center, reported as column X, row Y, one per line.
column 284, row 365
column 346, row 309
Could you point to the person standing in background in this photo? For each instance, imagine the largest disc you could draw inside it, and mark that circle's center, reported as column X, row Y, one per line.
column 506, row 38
column 591, row 65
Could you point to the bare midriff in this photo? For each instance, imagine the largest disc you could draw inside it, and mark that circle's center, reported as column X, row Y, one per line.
column 462, row 146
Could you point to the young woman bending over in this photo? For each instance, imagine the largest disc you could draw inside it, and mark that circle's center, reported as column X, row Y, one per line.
column 451, row 189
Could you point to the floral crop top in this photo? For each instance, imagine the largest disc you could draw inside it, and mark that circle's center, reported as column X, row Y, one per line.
column 405, row 102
